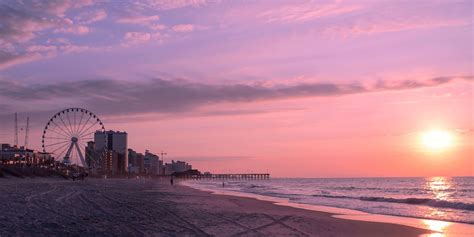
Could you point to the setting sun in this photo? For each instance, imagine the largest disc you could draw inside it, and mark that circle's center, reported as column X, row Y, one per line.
column 436, row 140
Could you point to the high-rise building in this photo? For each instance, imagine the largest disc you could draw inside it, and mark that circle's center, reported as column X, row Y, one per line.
column 152, row 164
column 135, row 162
column 116, row 157
column 91, row 156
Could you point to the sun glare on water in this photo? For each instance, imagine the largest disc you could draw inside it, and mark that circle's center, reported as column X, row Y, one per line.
column 437, row 140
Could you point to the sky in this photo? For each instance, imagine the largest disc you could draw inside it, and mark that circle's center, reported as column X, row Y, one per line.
column 294, row 88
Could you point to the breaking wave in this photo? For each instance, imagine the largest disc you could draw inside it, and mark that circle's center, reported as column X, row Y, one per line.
column 414, row 201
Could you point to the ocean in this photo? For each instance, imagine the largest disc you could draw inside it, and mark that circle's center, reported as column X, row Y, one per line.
column 437, row 198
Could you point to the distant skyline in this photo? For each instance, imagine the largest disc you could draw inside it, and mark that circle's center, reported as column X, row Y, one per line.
column 293, row 88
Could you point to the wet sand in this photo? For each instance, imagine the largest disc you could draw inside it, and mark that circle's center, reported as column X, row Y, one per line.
column 120, row 207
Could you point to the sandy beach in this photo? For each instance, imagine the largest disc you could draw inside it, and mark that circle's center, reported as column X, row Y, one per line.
column 147, row 207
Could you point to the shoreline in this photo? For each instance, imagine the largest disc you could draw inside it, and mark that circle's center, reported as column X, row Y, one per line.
column 445, row 228
column 144, row 207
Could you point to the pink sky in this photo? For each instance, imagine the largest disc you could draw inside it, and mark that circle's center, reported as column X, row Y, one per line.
column 294, row 88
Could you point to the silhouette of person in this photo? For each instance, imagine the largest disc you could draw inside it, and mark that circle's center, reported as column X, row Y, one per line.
column 171, row 180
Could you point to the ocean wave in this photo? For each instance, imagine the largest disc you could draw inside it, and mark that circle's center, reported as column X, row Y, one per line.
column 400, row 190
column 414, row 201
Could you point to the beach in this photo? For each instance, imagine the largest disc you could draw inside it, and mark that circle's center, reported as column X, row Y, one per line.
column 150, row 207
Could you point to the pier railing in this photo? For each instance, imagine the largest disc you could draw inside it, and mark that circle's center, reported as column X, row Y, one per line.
column 251, row 176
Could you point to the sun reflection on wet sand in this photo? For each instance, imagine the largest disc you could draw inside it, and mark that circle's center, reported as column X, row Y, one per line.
column 438, row 226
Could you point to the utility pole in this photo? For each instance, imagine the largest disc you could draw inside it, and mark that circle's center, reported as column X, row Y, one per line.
column 15, row 142
column 26, row 132
column 162, row 154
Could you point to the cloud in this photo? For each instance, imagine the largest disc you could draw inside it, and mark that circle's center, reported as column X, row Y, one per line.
column 74, row 29
column 174, row 4
column 8, row 59
column 396, row 16
column 179, row 96
column 41, row 48
column 57, row 7
column 305, row 12
column 366, row 18
column 137, row 37
column 157, row 27
column 38, row 51
column 58, row 41
column 183, row 28
column 413, row 84
column 147, row 21
column 50, row 50
column 18, row 25
column 71, row 48
column 22, row 21
column 132, row 38
column 384, row 25
column 91, row 16
column 140, row 20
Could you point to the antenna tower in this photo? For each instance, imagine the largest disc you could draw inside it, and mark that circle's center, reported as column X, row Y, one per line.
column 26, row 131
column 15, row 143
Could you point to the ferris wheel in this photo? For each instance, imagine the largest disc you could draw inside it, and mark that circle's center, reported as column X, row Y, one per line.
column 67, row 133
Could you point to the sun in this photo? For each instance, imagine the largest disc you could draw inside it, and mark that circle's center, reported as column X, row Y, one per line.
column 437, row 140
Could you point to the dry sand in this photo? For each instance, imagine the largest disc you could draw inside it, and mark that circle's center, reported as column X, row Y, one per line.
column 119, row 207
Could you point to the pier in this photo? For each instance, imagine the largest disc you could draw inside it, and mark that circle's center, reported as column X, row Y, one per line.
column 250, row 176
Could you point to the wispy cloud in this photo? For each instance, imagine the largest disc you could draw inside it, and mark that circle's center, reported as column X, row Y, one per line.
column 151, row 22
column 141, row 20
column 37, row 51
column 305, row 12
column 183, row 28
column 384, row 24
column 56, row 7
column 91, row 16
column 133, row 38
column 74, row 29
column 396, row 16
column 8, row 59
column 365, row 18
column 174, row 4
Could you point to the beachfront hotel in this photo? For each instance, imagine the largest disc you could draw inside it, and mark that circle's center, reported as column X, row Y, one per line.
column 113, row 146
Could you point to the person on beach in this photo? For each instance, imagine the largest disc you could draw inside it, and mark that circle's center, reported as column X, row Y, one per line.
column 223, row 184
column 171, row 180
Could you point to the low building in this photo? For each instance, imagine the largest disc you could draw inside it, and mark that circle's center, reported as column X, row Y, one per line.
column 12, row 155
column 176, row 167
